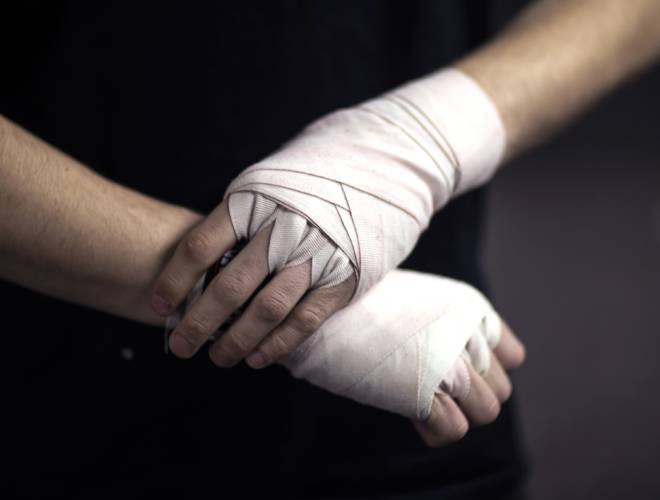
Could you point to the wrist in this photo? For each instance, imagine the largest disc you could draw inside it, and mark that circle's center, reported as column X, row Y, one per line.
column 159, row 227
column 452, row 119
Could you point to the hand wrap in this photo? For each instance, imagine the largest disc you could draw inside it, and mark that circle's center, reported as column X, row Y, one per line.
column 401, row 342
column 355, row 189
column 353, row 192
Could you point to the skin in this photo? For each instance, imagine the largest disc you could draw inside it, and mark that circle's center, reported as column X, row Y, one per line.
column 558, row 58
column 540, row 73
column 104, row 246
column 451, row 417
column 67, row 232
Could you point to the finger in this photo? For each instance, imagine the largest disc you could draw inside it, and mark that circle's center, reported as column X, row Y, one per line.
column 232, row 287
column 480, row 406
column 317, row 306
column 478, row 352
column 509, row 351
column 196, row 252
column 498, row 380
column 267, row 310
column 445, row 425
column 456, row 382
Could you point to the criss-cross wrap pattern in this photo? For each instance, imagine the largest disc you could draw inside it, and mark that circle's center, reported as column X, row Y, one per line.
column 355, row 189
column 353, row 192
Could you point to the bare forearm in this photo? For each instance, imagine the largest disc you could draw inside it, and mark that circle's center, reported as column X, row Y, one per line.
column 70, row 233
column 560, row 56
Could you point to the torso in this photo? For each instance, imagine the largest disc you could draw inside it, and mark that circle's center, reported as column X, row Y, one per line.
column 175, row 102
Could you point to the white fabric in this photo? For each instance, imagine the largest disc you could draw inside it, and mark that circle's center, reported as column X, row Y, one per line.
column 353, row 192
column 401, row 342
column 406, row 339
column 355, row 189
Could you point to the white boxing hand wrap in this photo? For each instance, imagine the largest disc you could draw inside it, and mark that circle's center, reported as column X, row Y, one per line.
column 401, row 342
column 353, row 192
column 406, row 339
column 355, row 189
column 293, row 239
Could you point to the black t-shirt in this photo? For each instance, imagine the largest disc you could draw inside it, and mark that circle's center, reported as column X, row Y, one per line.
column 175, row 100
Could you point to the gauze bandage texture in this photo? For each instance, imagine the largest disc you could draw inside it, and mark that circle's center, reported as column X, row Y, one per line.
column 355, row 189
column 401, row 342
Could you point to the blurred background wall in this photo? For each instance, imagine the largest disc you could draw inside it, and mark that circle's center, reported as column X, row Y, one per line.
column 573, row 256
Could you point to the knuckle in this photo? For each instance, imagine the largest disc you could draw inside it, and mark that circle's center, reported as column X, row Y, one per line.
column 235, row 344
column 257, row 260
column 195, row 330
column 308, row 320
column 198, row 247
column 277, row 347
column 230, row 286
column 272, row 308
column 491, row 411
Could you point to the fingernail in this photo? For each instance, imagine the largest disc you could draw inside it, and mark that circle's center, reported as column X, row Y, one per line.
column 256, row 360
column 160, row 305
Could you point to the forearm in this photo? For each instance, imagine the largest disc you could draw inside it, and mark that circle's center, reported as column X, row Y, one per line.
column 70, row 233
column 560, row 56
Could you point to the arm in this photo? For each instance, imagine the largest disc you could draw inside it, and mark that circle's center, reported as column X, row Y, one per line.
column 558, row 57
column 70, row 233
column 371, row 176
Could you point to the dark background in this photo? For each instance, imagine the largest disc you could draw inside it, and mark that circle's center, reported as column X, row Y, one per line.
column 573, row 256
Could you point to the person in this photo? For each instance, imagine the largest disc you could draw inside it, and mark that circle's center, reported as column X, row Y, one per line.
column 175, row 108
